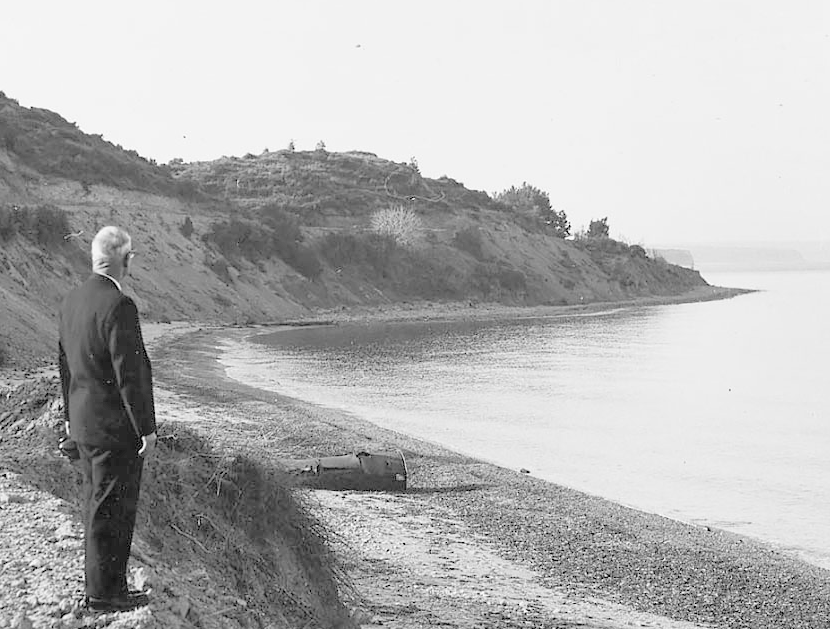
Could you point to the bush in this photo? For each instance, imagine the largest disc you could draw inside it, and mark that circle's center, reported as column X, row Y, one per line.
column 492, row 280
column 533, row 206
column 512, row 280
column 186, row 228
column 254, row 242
column 469, row 240
column 285, row 225
column 44, row 225
column 237, row 239
column 598, row 228
column 399, row 223
column 308, row 263
column 373, row 250
column 220, row 267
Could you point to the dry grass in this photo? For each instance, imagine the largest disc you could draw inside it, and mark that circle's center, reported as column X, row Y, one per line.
column 226, row 512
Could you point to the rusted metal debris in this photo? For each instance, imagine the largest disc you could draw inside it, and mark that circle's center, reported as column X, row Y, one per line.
column 378, row 471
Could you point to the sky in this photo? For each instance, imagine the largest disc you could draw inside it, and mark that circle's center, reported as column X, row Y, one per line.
column 681, row 121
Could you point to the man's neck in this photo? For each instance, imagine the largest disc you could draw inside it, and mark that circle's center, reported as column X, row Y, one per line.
column 105, row 273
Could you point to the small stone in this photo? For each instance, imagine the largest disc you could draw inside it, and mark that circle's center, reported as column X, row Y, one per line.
column 181, row 607
column 68, row 544
column 143, row 577
column 22, row 622
column 199, row 573
column 66, row 605
column 361, row 616
column 37, row 562
column 66, row 531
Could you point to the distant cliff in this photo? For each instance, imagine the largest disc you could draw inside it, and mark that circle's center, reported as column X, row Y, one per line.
column 270, row 236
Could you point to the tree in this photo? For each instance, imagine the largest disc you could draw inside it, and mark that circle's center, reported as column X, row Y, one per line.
column 558, row 222
column 321, row 146
column 598, row 228
column 291, row 146
column 535, row 203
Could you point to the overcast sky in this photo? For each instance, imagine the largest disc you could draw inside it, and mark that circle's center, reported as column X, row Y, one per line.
column 681, row 121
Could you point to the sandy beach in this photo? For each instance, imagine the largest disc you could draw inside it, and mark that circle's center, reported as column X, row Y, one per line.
column 470, row 544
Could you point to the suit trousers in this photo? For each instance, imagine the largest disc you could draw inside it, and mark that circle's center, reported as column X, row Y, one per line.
column 112, row 480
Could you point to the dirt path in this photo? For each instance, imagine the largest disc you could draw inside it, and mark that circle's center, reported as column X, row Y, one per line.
column 422, row 567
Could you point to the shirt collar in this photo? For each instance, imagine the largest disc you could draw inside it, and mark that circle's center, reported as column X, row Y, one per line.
column 114, row 281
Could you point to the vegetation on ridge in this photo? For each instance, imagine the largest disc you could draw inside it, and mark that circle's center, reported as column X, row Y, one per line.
column 245, row 239
column 48, row 144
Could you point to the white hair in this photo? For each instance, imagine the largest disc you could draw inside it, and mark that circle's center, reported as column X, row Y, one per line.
column 110, row 245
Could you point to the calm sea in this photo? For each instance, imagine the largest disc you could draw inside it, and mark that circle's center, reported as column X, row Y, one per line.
column 714, row 413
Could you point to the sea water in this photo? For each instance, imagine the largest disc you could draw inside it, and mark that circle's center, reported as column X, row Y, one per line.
column 713, row 413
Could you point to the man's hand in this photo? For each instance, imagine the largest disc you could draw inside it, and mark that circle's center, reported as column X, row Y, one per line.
column 148, row 444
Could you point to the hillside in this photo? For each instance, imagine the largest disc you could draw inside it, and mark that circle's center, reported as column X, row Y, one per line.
column 273, row 236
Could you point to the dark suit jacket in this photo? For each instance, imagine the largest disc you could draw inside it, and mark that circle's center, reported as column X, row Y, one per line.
column 105, row 372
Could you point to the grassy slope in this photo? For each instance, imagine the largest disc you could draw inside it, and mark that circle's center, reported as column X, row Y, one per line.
column 509, row 259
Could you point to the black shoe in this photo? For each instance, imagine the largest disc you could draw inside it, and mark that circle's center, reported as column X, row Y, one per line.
column 121, row 603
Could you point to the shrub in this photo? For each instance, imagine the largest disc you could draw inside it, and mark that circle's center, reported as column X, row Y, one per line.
column 285, row 225
column 598, row 228
column 220, row 267
column 186, row 228
column 469, row 240
column 341, row 249
column 533, row 205
column 373, row 250
column 400, row 223
column 304, row 260
column 493, row 280
column 621, row 273
column 254, row 242
column 237, row 239
column 44, row 225
column 512, row 280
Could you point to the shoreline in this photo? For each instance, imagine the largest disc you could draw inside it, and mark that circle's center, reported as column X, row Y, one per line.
column 439, row 311
column 471, row 544
column 573, row 557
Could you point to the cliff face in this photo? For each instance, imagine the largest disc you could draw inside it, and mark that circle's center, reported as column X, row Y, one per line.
column 273, row 236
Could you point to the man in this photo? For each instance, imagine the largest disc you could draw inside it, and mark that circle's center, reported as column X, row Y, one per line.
column 108, row 400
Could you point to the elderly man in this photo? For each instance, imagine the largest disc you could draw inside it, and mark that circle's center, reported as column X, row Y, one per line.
column 108, row 401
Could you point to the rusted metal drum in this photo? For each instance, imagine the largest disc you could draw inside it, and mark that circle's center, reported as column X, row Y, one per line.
column 379, row 471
